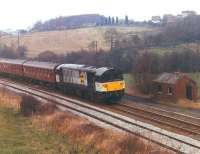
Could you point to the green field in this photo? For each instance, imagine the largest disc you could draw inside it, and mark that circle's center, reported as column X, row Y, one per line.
column 180, row 47
column 129, row 80
column 18, row 136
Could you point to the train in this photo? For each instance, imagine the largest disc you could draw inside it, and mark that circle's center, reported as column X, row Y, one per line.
column 100, row 84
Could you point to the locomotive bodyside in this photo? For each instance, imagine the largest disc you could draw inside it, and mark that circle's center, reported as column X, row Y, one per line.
column 98, row 83
column 76, row 79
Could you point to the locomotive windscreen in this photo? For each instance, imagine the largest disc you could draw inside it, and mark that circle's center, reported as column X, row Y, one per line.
column 111, row 75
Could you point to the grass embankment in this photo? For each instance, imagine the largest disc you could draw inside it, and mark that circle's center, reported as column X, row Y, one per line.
column 48, row 130
column 17, row 135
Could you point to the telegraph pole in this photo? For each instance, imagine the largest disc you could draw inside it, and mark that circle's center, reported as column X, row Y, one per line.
column 96, row 47
column 112, row 43
column 18, row 35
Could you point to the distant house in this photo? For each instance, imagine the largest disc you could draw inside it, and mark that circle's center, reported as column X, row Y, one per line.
column 156, row 19
column 188, row 13
column 175, row 86
column 169, row 18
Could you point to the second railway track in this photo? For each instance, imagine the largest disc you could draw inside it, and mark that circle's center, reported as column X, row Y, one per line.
column 187, row 127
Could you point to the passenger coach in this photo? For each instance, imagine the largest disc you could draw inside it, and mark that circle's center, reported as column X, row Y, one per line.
column 40, row 71
column 11, row 66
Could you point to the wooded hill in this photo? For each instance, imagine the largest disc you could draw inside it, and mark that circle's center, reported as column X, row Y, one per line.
column 69, row 22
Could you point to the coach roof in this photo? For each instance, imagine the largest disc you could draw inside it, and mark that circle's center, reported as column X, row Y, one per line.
column 44, row 65
column 12, row 61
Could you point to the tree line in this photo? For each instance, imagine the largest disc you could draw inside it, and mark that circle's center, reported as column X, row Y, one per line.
column 11, row 52
column 78, row 21
column 182, row 31
column 130, row 60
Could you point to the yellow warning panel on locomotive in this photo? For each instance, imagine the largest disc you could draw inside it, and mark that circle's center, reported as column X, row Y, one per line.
column 110, row 86
column 114, row 86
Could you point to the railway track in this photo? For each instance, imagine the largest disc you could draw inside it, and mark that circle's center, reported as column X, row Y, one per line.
column 175, row 142
column 184, row 124
column 155, row 105
column 167, row 111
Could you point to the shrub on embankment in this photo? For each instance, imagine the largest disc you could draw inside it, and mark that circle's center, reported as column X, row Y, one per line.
column 82, row 133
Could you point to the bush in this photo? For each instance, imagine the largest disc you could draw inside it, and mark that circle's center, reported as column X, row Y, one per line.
column 11, row 52
column 29, row 105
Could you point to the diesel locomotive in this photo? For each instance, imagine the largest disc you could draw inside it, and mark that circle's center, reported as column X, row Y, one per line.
column 95, row 83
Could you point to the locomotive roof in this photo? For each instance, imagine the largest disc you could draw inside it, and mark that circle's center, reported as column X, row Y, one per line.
column 12, row 61
column 98, row 71
column 44, row 65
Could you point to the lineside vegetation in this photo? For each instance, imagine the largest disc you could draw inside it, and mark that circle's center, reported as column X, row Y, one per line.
column 29, row 126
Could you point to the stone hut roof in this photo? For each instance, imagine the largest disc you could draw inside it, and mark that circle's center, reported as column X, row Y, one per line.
column 171, row 78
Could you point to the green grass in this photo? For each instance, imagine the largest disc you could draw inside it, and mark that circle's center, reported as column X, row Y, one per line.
column 161, row 50
column 180, row 47
column 18, row 136
column 129, row 81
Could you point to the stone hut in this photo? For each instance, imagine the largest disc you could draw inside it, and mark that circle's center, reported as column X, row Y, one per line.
column 175, row 86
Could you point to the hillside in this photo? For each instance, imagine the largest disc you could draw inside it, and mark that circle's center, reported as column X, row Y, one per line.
column 67, row 22
column 68, row 40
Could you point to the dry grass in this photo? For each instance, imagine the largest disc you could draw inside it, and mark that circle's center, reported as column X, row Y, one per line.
column 81, row 130
column 48, row 118
column 66, row 41
column 9, row 99
column 183, row 103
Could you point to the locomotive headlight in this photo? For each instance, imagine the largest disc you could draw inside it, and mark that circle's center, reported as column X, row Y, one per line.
column 105, row 85
column 100, row 87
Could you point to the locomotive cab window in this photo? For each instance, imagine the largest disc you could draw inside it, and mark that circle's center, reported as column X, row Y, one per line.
column 109, row 76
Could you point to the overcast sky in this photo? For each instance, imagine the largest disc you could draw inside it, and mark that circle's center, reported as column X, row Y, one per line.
column 18, row 14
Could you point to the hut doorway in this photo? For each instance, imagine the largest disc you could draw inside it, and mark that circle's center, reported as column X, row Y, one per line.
column 189, row 92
